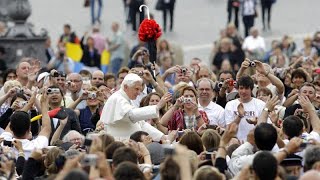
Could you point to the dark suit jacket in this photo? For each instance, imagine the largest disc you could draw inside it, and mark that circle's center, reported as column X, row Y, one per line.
column 72, row 124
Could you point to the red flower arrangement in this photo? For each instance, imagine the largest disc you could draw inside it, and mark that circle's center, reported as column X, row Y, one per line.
column 149, row 30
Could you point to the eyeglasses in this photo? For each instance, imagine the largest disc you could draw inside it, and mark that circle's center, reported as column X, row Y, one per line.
column 75, row 139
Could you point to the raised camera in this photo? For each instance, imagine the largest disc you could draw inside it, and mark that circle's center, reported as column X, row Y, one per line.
column 22, row 104
column 185, row 100
column 89, row 160
column 20, row 91
column 7, row 143
column 252, row 64
column 232, row 82
column 92, row 95
column 53, row 90
column 220, row 84
column 184, row 70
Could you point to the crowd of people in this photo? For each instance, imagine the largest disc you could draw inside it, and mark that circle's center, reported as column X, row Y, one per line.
column 251, row 114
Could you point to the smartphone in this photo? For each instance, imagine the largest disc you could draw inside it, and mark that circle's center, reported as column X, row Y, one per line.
column 209, row 154
column 7, row 143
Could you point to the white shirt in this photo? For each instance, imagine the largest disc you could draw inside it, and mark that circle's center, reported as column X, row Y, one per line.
column 248, row 8
column 27, row 145
column 215, row 114
column 121, row 118
column 252, row 43
column 252, row 109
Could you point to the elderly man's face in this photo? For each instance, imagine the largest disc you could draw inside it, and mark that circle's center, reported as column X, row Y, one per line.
column 133, row 91
column 23, row 70
column 205, row 90
column 76, row 138
column 76, row 82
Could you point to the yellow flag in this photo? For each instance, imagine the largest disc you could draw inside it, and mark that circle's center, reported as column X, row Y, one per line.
column 74, row 51
column 105, row 57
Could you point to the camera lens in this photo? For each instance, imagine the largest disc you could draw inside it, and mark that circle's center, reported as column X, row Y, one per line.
column 49, row 90
column 220, row 84
column 252, row 64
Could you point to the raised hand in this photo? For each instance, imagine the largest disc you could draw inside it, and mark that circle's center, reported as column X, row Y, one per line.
column 241, row 110
column 271, row 103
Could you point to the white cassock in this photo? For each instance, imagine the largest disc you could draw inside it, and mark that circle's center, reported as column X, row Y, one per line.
column 121, row 118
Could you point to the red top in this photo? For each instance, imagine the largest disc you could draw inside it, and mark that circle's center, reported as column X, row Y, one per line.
column 177, row 120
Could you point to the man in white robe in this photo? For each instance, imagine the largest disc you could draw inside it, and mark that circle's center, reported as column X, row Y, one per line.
column 121, row 118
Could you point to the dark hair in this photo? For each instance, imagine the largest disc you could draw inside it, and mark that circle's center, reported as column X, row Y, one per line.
column 77, row 174
column 109, row 76
column 106, row 140
column 101, row 84
column 86, row 73
column 123, row 70
column 137, row 136
column 265, row 165
column 169, row 169
column 265, row 136
column 124, row 154
column 67, row 26
column 245, row 81
column 19, row 123
column 7, row 72
column 299, row 73
column 292, row 126
column 193, row 142
column 18, row 95
column 129, row 171
column 227, row 72
column 145, row 102
column 139, row 66
column 111, row 148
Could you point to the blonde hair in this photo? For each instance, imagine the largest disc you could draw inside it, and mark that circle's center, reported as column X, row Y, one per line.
column 10, row 84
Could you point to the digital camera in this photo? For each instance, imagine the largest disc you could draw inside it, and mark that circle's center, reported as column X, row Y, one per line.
column 20, row 90
column 252, row 64
column 22, row 104
column 92, row 95
column 89, row 160
column 53, row 90
column 185, row 100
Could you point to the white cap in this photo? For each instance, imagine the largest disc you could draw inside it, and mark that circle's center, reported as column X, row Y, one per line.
column 42, row 75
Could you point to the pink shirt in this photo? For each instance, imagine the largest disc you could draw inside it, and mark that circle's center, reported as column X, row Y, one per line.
column 99, row 42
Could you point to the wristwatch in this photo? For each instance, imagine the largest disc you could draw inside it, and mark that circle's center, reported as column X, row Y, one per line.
column 266, row 109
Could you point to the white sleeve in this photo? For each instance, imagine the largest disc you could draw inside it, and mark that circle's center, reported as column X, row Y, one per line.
column 242, row 156
column 143, row 113
column 7, row 136
column 228, row 114
column 152, row 131
column 313, row 135
column 40, row 142
column 221, row 120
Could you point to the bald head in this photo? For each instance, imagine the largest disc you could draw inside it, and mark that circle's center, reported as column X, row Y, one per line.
column 312, row 174
column 97, row 78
